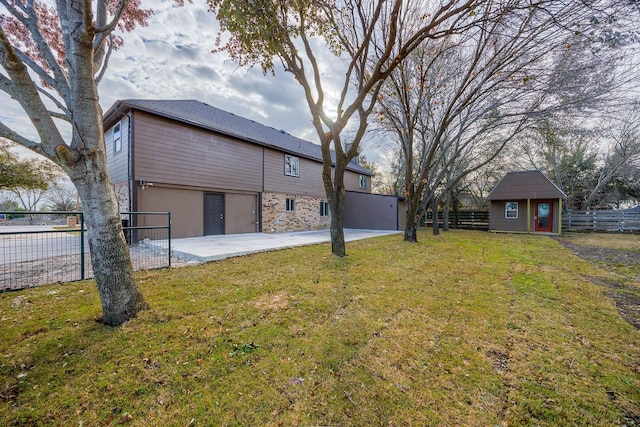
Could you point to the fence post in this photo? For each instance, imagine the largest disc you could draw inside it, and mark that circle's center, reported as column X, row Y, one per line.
column 81, row 246
column 169, row 233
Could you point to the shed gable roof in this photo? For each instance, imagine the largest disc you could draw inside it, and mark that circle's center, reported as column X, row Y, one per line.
column 204, row 116
column 531, row 184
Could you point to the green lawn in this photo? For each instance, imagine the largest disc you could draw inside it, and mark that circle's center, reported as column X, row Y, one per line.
column 466, row 328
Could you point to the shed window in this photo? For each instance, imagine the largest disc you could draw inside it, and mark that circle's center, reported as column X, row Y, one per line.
column 363, row 181
column 291, row 205
column 291, row 165
column 511, row 210
column 324, row 208
column 117, row 140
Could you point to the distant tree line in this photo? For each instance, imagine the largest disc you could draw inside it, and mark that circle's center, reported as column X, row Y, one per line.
column 33, row 184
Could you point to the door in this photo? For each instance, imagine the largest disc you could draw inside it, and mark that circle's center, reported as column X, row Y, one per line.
column 243, row 213
column 544, row 217
column 213, row 214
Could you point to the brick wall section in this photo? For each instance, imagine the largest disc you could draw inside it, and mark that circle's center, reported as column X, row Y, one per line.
column 306, row 215
column 122, row 192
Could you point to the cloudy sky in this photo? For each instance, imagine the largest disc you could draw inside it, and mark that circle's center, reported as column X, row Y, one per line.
column 171, row 59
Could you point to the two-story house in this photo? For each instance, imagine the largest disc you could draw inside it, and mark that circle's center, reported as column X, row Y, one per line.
column 216, row 172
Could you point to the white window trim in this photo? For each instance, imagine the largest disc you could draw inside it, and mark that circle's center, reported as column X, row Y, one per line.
column 117, row 138
column 362, row 182
column 325, row 211
column 507, row 210
column 291, row 165
column 290, row 205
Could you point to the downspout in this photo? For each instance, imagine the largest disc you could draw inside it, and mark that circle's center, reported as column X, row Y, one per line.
column 528, row 216
column 260, row 198
column 133, row 200
column 129, row 177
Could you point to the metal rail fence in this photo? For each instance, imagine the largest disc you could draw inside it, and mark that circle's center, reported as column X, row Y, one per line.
column 52, row 247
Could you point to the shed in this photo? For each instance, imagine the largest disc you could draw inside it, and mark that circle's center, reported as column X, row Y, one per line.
column 526, row 202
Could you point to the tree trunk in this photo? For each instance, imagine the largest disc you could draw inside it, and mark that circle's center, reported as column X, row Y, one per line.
column 84, row 158
column 338, row 246
column 411, row 224
column 445, row 212
column 456, row 218
column 120, row 295
column 434, row 208
column 335, row 191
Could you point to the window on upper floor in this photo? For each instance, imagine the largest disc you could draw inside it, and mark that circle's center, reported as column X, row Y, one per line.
column 363, row 181
column 117, row 139
column 511, row 210
column 324, row 208
column 291, row 165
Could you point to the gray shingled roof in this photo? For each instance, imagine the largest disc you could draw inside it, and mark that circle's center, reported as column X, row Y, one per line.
column 202, row 115
column 531, row 184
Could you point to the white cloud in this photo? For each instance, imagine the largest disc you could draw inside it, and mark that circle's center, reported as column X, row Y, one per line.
column 171, row 58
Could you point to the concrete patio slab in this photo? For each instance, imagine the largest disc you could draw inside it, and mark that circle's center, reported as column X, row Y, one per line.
column 211, row 248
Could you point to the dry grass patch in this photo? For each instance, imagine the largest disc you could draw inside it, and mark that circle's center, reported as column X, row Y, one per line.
column 619, row 255
column 465, row 328
column 619, row 241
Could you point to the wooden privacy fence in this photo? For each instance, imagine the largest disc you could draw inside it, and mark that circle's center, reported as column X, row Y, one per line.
column 469, row 220
column 601, row 220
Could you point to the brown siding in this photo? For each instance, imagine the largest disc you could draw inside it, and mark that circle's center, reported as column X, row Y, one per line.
column 173, row 153
column 371, row 211
column 352, row 182
column 310, row 180
column 186, row 208
column 309, row 183
column 498, row 222
column 241, row 213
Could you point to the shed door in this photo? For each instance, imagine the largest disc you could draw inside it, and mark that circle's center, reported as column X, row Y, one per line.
column 213, row 214
column 544, row 217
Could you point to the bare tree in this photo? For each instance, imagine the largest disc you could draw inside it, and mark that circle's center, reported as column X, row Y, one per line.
column 591, row 166
column 366, row 36
column 622, row 159
column 8, row 201
column 61, row 197
column 455, row 104
column 44, row 175
column 476, row 186
column 52, row 57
